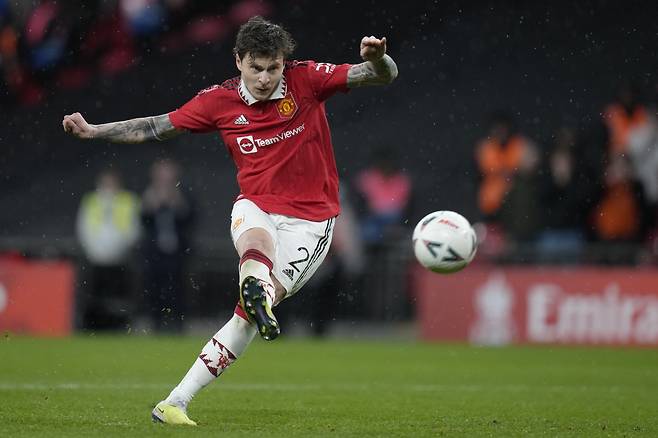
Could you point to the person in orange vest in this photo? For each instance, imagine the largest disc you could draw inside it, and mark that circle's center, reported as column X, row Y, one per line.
column 619, row 215
column 500, row 156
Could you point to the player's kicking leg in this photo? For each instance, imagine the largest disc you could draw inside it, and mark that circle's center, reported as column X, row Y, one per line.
column 258, row 305
column 257, row 293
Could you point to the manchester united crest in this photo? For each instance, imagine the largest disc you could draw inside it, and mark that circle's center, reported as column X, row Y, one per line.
column 287, row 106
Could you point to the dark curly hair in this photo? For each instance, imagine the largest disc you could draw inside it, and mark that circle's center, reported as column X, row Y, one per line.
column 259, row 37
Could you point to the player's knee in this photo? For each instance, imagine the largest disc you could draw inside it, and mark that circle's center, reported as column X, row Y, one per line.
column 261, row 245
column 258, row 239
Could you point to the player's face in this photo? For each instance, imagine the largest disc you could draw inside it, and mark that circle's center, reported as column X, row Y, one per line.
column 260, row 74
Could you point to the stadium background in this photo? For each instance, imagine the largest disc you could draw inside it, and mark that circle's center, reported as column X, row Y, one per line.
column 547, row 66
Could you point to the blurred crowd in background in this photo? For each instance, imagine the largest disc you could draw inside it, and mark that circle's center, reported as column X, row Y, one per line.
column 64, row 44
column 110, row 222
column 590, row 196
column 586, row 193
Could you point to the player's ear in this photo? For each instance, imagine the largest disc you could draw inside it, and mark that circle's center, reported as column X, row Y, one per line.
column 238, row 62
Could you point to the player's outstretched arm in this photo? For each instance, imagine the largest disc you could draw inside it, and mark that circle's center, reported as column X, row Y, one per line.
column 378, row 68
column 128, row 131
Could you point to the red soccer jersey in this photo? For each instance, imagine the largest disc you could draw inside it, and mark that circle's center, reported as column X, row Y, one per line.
column 281, row 147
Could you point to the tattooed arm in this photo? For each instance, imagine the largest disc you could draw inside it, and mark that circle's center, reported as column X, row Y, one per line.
column 128, row 131
column 378, row 68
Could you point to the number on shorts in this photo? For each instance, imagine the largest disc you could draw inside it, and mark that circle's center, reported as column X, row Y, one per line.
column 295, row 262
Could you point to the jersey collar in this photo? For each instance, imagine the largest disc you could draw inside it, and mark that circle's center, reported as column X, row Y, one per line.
column 249, row 99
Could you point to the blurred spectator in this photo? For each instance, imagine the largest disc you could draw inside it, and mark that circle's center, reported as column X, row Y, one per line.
column 144, row 17
column 386, row 192
column 507, row 160
column 167, row 216
column 108, row 228
column 14, row 75
column 499, row 157
column 643, row 153
column 563, row 196
column 631, row 178
column 46, row 35
column 619, row 216
column 623, row 115
column 520, row 215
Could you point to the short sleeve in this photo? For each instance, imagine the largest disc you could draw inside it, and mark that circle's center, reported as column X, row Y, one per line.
column 327, row 79
column 194, row 116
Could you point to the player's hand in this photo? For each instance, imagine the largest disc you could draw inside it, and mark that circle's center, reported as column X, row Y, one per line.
column 76, row 125
column 372, row 48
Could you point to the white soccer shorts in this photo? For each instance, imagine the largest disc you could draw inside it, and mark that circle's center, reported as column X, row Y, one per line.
column 300, row 246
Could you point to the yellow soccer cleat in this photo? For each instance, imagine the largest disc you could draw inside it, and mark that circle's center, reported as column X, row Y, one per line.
column 163, row 412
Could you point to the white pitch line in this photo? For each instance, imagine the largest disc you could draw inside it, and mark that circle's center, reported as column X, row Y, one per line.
column 74, row 386
column 8, row 386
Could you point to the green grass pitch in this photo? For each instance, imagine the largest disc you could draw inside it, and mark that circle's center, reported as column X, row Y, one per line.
column 107, row 386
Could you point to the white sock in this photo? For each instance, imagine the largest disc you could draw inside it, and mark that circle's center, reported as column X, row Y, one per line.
column 221, row 351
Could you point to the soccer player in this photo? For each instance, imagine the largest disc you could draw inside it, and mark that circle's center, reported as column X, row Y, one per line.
column 273, row 122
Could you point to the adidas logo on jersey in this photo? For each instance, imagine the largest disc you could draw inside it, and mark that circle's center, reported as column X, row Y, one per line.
column 242, row 120
column 288, row 273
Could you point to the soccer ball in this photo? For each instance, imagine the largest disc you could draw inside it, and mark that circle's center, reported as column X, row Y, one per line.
column 444, row 242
